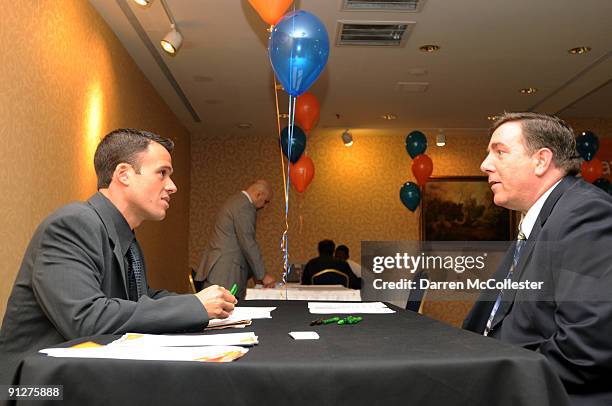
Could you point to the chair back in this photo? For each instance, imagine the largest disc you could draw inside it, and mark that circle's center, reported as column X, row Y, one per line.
column 330, row 277
column 416, row 297
column 195, row 286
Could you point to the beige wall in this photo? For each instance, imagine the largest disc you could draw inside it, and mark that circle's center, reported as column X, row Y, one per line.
column 66, row 81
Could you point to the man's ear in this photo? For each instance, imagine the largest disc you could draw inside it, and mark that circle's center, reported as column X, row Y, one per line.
column 123, row 173
column 543, row 160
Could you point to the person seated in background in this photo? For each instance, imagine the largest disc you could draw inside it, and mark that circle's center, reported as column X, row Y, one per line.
column 342, row 253
column 326, row 260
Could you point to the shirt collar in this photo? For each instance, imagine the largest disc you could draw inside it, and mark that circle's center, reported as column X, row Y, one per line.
column 110, row 213
column 532, row 214
column 247, row 195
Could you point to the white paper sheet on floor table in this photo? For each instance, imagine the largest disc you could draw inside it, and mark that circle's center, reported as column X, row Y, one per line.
column 348, row 308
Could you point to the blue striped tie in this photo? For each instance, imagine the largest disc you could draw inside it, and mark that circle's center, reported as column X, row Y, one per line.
column 134, row 272
column 520, row 242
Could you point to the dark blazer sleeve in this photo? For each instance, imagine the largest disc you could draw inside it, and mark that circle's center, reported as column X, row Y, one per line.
column 73, row 259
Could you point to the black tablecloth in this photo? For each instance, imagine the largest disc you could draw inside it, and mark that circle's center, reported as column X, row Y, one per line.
column 389, row 359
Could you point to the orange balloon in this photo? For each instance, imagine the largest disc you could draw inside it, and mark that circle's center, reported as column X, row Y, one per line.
column 422, row 167
column 307, row 111
column 271, row 11
column 592, row 170
column 301, row 173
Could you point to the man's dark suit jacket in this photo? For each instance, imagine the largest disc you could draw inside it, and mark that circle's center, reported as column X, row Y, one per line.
column 72, row 283
column 321, row 263
column 569, row 321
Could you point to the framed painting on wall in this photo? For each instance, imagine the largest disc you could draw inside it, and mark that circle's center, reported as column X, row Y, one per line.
column 462, row 209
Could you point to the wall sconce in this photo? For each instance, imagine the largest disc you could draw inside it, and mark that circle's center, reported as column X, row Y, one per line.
column 441, row 139
column 347, row 138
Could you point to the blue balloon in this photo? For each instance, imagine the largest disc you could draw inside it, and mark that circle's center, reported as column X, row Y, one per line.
column 587, row 145
column 298, row 50
column 410, row 195
column 416, row 143
column 298, row 143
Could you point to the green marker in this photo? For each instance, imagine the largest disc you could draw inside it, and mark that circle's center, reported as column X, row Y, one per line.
column 234, row 289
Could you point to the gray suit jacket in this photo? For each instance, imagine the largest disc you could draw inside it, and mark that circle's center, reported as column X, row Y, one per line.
column 72, row 283
column 569, row 320
column 232, row 254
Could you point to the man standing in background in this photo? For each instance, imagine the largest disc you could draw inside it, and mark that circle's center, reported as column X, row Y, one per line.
column 232, row 254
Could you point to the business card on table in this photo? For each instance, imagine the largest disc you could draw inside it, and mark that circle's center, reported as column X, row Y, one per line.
column 304, row 335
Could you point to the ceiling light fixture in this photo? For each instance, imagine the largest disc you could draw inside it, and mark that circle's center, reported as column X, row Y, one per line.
column 492, row 118
column 143, row 3
column 347, row 138
column 579, row 50
column 441, row 138
column 389, row 116
column 172, row 41
column 528, row 90
column 429, row 48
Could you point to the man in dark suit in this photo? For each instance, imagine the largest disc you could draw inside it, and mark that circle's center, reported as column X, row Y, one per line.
column 83, row 272
column 565, row 241
column 326, row 260
column 232, row 254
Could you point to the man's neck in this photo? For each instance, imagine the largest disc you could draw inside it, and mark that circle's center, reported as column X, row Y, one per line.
column 122, row 206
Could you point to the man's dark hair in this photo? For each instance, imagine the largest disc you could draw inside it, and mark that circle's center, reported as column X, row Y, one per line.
column 122, row 146
column 326, row 247
column 343, row 248
column 544, row 131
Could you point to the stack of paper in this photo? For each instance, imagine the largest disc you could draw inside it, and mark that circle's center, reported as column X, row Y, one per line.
column 348, row 308
column 241, row 317
column 159, row 340
column 202, row 354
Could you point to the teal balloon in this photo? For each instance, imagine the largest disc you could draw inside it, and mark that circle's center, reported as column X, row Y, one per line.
column 410, row 195
column 416, row 143
column 587, row 145
column 294, row 151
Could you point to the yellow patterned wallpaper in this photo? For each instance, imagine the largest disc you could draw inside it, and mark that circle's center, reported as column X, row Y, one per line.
column 66, row 81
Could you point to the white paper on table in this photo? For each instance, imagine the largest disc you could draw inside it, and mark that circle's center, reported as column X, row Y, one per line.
column 242, row 316
column 159, row 340
column 348, row 307
column 209, row 353
column 304, row 335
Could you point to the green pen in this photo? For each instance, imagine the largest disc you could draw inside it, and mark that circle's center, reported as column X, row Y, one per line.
column 234, row 289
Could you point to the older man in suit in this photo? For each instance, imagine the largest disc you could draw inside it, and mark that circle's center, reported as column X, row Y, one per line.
column 564, row 241
column 83, row 272
column 232, row 254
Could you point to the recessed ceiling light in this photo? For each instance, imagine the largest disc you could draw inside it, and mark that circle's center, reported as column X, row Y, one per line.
column 388, row 116
column 244, row 125
column 283, row 115
column 528, row 90
column 579, row 50
column 429, row 48
column 143, row 3
column 492, row 118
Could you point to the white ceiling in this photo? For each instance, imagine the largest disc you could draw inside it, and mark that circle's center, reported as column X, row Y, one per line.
column 489, row 50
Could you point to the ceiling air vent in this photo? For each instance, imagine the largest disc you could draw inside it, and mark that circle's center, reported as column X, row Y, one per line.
column 376, row 33
column 411, row 6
